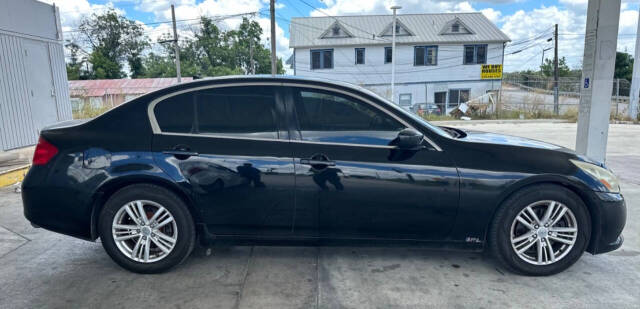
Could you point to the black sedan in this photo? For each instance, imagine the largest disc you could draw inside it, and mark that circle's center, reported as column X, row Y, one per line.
column 277, row 160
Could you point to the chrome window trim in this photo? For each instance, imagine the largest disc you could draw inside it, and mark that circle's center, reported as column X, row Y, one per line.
column 156, row 128
column 274, row 140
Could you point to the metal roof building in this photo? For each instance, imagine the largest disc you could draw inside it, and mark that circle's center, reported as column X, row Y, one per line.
column 442, row 59
column 103, row 93
column 123, row 86
column 33, row 78
column 369, row 29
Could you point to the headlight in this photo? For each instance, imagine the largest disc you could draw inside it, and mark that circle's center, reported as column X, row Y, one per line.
column 604, row 176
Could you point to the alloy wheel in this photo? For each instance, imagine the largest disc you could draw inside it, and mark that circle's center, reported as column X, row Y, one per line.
column 144, row 231
column 544, row 232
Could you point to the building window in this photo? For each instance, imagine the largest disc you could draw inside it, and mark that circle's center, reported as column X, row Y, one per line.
column 457, row 96
column 455, row 27
column 404, row 99
column 425, row 55
column 388, row 55
column 475, row 54
column 359, row 55
column 76, row 104
column 322, row 59
column 96, row 102
column 336, row 30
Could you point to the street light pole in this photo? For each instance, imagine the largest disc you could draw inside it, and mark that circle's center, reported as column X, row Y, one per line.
column 393, row 54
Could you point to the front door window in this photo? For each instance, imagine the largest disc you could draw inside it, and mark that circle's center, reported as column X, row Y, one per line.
column 327, row 117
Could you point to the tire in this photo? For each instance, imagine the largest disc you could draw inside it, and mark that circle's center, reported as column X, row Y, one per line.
column 505, row 228
column 180, row 231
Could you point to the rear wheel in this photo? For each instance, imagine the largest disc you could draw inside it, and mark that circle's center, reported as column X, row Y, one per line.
column 541, row 230
column 146, row 228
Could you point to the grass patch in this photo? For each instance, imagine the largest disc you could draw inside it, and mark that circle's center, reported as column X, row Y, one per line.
column 89, row 112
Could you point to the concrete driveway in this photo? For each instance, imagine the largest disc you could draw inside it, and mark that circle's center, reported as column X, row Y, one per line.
column 43, row 269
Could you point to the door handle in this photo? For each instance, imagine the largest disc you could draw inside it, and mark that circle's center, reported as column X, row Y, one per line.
column 317, row 162
column 183, row 153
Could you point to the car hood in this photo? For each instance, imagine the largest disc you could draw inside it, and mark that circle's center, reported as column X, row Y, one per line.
column 500, row 139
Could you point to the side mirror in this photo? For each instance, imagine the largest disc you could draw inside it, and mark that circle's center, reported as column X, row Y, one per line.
column 409, row 139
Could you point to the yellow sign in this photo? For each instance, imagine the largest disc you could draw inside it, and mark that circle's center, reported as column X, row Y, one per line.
column 491, row 71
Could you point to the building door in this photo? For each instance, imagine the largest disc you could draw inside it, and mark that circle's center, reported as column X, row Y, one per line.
column 440, row 98
column 40, row 84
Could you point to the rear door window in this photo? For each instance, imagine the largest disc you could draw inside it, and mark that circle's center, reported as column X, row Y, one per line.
column 176, row 114
column 248, row 111
column 237, row 111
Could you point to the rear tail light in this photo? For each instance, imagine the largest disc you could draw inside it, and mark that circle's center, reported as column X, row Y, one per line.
column 44, row 152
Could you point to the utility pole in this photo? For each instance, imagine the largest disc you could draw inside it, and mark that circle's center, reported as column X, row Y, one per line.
column 600, row 42
column 252, row 68
column 556, row 104
column 272, row 13
column 393, row 54
column 175, row 43
column 635, row 78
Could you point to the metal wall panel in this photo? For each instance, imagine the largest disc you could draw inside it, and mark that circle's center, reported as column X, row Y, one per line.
column 60, row 82
column 17, row 127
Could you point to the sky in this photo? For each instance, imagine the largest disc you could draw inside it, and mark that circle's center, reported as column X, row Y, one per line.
column 519, row 19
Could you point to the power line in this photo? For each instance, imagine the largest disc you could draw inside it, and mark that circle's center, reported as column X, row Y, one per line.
column 215, row 17
column 582, row 34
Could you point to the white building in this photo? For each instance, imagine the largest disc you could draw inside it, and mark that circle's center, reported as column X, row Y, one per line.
column 34, row 91
column 440, row 57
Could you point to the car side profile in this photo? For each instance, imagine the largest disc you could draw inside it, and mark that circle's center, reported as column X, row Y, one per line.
column 284, row 160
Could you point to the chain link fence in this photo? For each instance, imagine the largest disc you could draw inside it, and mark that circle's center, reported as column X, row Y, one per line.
column 528, row 97
column 520, row 98
column 538, row 94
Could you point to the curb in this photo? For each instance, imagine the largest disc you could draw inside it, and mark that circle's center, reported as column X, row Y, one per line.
column 499, row 121
column 13, row 176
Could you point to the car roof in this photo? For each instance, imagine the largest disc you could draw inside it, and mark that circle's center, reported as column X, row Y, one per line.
column 277, row 78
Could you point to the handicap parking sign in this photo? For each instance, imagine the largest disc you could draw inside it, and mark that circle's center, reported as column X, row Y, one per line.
column 586, row 82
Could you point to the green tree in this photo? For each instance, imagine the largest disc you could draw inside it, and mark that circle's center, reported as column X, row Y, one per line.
column 161, row 62
column 563, row 68
column 624, row 66
column 247, row 38
column 214, row 52
column 75, row 69
column 113, row 40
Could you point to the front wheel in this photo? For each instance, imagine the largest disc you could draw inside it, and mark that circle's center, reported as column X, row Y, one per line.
column 541, row 230
column 146, row 228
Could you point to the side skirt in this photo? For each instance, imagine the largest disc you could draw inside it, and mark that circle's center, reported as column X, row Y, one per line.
column 208, row 239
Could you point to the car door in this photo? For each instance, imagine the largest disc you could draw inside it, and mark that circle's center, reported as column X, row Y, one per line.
column 350, row 183
column 227, row 146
